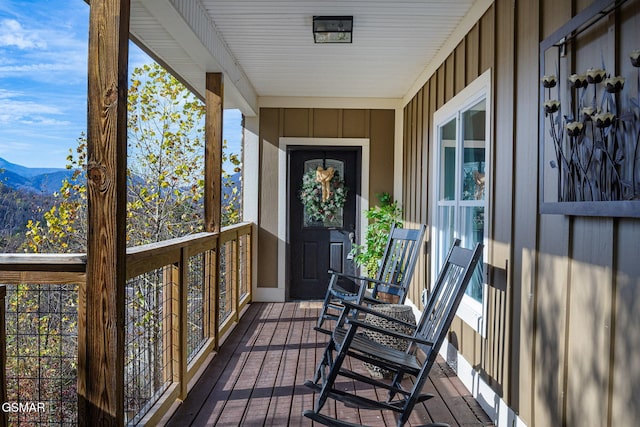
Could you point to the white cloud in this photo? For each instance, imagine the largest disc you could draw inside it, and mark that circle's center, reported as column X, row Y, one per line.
column 43, row 75
column 42, row 51
column 13, row 34
column 8, row 94
column 36, row 68
column 13, row 109
column 45, row 121
column 11, row 146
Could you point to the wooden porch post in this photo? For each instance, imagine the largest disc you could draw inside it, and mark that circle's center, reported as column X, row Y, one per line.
column 213, row 152
column 213, row 184
column 101, row 305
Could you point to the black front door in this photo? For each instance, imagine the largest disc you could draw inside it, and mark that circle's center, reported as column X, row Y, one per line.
column 320, row 242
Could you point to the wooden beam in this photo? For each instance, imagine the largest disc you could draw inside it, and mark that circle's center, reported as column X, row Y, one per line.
column 42, row 277
column 213, row 152
column 43, row 262
column 101, row 315
column 213, row 184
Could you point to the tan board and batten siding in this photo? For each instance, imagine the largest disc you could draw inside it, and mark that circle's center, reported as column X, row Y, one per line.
column 564, row 296
column 377, row 125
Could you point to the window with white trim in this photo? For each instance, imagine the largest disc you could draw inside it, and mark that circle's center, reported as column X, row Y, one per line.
column 462, row 143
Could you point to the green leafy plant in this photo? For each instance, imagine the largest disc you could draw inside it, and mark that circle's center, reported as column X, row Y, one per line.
column 381, row 219
column 165, row 176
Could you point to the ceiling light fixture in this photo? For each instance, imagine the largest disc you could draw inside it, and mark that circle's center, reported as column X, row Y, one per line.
column 332, row 29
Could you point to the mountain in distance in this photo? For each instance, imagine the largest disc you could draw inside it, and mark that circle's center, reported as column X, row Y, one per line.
column 36, row 180
column 233, row 181
column 26, row 171
column 49, row 180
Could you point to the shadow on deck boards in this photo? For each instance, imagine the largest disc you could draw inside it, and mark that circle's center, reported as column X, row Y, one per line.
column 257, row 377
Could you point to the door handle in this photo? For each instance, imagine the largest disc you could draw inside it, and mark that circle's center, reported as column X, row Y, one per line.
column 352, row 239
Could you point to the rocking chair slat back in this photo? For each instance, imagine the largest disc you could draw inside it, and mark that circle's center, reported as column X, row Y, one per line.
column 399, row 260
column 394, row 276
column 444, row 292
column 444, row 301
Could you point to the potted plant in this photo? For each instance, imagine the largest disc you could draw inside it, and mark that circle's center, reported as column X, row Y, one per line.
column 381, row 218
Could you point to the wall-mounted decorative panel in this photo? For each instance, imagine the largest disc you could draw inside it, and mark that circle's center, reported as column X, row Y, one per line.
column 589, row 115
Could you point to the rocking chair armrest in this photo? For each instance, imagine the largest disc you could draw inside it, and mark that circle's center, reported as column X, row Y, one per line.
column 348, row 276
column 363, row 278
column 395, row 334
column 349, row 306
column 369, row 300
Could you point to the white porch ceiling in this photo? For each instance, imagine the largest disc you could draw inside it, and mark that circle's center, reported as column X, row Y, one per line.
column 265, row 48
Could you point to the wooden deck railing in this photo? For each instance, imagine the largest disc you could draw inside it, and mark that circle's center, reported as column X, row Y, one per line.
column 182, row 296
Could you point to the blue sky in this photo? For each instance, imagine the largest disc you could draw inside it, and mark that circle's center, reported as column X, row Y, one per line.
column 43, row 69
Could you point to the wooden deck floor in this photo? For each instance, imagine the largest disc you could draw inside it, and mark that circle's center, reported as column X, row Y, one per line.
column 257, row 379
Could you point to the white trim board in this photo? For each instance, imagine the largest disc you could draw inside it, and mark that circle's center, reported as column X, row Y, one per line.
column 284, row 143
column 398, row 156
column 495, row 407
column 268, row 294
column 251, row 192
column 318, row 102
column 470, row 311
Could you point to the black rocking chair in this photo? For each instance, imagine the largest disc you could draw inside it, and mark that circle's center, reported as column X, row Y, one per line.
column 347, row 340
column 393, row 278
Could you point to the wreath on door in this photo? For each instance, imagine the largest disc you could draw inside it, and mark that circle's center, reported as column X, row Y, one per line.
column 323, row 193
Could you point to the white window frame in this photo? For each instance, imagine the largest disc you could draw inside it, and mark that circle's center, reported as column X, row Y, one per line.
column 470, row 311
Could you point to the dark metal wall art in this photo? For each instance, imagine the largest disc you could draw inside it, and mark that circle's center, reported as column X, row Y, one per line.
column 590, row 118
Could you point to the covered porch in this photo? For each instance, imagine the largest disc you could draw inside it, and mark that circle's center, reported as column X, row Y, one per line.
column 245, row 366
column 201, row 329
